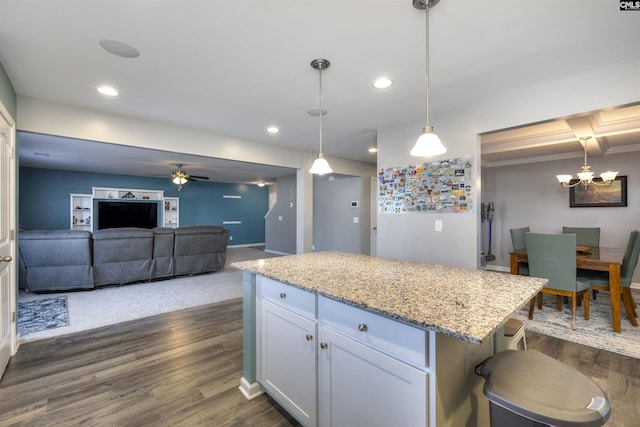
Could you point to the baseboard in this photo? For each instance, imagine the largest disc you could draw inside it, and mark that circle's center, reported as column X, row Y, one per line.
column 277, row 252
column 497, row 268
column 247, row 245
column 250, row 391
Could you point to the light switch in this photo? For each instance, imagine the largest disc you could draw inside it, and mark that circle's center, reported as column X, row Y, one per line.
column 355, row 219
column 438, row 225
column 280, row 218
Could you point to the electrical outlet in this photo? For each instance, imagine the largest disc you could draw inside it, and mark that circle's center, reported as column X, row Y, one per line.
column 230, row 237
column 438, row 225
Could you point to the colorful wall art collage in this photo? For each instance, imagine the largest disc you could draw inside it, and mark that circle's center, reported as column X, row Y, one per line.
column 432, row 187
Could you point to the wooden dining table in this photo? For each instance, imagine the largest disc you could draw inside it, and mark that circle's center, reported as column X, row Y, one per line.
column 599, row 259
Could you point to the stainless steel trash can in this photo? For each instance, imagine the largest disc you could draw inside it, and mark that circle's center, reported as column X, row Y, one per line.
column 531, row 389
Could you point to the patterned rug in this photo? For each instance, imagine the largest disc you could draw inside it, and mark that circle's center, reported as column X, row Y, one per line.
column 595, row 332
column 42, row 314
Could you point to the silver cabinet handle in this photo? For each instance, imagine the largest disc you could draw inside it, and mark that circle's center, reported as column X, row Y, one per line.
column 324, row 345
column 283, row 295
column 309, row 337
column 6, row 258
column 362, row 327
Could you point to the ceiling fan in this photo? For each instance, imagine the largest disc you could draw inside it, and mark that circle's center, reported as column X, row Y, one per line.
column 180, row 177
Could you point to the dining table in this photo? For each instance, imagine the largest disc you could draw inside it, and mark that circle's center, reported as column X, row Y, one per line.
column 598, row 259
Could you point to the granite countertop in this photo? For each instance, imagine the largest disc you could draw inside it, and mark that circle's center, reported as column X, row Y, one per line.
column 464, row 303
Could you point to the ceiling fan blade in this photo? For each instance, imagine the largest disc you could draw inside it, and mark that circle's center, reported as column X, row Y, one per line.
column 198, row 177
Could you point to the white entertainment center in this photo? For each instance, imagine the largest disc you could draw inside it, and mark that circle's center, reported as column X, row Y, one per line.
column 81, row 205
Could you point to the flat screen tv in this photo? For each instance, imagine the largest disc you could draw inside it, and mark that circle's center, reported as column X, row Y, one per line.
column 112, row 214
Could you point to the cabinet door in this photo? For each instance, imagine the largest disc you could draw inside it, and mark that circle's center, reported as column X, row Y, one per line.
column 361, row 386
column 287, row 355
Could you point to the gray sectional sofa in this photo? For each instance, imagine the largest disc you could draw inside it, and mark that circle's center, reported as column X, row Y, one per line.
column 57, row 260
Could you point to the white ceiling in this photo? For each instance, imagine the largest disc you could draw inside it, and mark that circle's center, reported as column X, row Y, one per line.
column 235, row 67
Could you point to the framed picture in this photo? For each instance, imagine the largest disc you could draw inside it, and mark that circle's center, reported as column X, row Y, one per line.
column 614, row 195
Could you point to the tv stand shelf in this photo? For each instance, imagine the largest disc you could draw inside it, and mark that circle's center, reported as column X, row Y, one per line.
column 127, row 194
column 81, row 205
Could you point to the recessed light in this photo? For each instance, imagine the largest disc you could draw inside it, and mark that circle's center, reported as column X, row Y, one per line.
column 119, row 48
column 260, row 184
column 382, row 83
column 108, row 91
column 273, row 129
column 373, row 150
column 316, row 112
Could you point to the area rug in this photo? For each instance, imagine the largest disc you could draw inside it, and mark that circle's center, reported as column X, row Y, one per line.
column 42, row 314
column 596, row 332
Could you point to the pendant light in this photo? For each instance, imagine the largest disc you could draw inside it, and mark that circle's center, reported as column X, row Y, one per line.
column 320, row 165
column 428, row 144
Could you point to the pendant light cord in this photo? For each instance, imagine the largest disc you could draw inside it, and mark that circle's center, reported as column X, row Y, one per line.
column 426, row 76
column 320, row 107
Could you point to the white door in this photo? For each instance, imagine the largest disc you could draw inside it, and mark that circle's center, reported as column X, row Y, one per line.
column 8, row 260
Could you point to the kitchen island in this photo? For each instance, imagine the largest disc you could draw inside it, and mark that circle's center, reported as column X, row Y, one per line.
column 347, row 339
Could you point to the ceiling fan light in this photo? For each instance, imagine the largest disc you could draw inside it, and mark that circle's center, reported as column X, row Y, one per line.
column 608, row 176
column 179, row 180
column 428, row 144
column 320, row 166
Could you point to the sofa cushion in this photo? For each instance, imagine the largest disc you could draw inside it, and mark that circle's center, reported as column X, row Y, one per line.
column 163, row 241
column 122, row 255
column 55, row 260
column 200, row 249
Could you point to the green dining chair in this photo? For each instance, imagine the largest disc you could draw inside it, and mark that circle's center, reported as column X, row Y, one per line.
column 553, row 257
column 585, row 236
column 517, row 242
column 599, row 281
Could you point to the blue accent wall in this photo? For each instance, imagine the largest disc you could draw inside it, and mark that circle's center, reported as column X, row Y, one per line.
column 44, row 200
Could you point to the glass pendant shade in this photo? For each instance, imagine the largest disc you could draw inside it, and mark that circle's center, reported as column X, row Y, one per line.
column 320, row 166
column 428, row 144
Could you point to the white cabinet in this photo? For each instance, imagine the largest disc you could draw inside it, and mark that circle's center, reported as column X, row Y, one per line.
column 287, row 348
column 331, row 364
column 373, row 371
column 171, row 212
column 81, row 208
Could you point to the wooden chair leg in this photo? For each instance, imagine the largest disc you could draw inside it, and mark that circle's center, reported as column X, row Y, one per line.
column 559, row 302
column 595, row 293
column 532, row 305
column 540, row 300
column 573, row 312
column 585, row 300
column 631, row 313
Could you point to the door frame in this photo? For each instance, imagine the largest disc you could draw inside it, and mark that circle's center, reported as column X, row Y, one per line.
column 8, row 125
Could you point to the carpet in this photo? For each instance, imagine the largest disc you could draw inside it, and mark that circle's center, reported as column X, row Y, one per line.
column 42, row 314
column 109, row 305
column 595, row 332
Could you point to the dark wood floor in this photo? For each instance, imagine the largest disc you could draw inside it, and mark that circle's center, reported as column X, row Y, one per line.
column 183, row 368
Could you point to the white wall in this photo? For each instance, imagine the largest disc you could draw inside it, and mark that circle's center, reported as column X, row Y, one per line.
column 412, row 236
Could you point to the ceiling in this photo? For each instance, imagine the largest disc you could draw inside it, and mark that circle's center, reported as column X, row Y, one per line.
column 236, row 67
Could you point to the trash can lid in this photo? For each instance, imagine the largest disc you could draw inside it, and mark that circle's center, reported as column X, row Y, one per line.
column 543, row 389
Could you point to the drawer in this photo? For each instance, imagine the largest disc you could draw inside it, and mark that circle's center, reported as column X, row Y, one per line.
column 395, row 338
column 287, row 296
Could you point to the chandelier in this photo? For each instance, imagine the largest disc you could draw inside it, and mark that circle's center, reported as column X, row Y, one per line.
column 586, row 176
